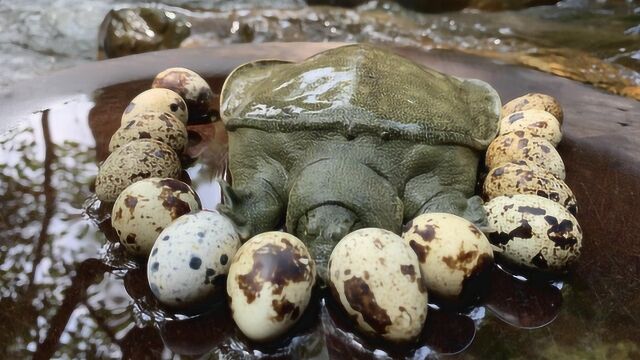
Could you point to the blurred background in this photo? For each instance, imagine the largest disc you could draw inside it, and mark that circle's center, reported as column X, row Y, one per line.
column 592, row 41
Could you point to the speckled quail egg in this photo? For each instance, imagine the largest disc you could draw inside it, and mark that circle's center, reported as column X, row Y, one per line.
column 156, row 100
column 534, row 101
column 376, row 277
column 269, row 284
column 146, row 207
column 163, row 127
column 537, row 122
column 454, row 254
column 193, row 89
column 137, row 160
column 189, row 256
column 533, row 232
column 513, row 179
column 520, row 147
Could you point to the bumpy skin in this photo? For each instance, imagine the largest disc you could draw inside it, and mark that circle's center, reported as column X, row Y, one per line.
column 353, row 137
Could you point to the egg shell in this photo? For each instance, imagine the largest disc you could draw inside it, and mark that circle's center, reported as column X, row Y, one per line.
column 520, row 147
column 269, row 284
column 163, row 127
column 376, row 277
column 533, row 232
column 454, row 254
column 156, row 100
column 534, row 101
column 189, row 256
column 191, row 86
column 146, row 207
column 137, row 160
column 536, row 122
column 513, row 179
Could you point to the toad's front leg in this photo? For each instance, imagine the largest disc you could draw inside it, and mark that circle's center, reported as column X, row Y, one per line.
column 455, row 202
column 255, row 202
column 448, row 188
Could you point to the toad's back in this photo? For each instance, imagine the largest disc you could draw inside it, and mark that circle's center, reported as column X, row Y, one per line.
column 360, row 89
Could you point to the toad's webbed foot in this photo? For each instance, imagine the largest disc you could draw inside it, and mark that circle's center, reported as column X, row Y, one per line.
column 425, row 194
column 456, row 203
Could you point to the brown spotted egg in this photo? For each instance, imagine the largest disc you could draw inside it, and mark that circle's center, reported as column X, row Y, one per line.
column 533, row 232
column 376, row 277
column 537, row 122
column 454, row 254
column 156, row 100
column 189, row 258
column 137, row 160
column 513, row 179
column 193, row 89
column 534, row 101
column 520, row 147
column 146, row 207
column 163, row 127
column 269, row 284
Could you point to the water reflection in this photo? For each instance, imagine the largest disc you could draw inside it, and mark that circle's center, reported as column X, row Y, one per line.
column 44, row 169
column 522, row 303
column 67, row 289
column 78, row 295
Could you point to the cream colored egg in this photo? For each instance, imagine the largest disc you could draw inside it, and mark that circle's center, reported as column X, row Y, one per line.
column 520, row 147
column 376, row 277
column 269, row 284
column 163, row 127
column 454, row 254
column 537, row 122
column 156, row 100
column 533, row 232
column 189, row 258
column 513, row 179
column 137, row 160
column 534, row 101
column 191, row 86
column 146, row 207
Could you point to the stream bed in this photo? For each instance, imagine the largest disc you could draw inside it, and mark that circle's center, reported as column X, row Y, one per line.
column 591, row 41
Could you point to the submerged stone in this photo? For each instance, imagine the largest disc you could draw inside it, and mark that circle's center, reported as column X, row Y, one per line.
column 137, row 30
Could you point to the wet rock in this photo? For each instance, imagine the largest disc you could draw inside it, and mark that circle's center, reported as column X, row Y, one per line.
column 341, row 3
column 594, row 42
column 520, row 37
column 497, row 5
column 137, row 30
column 452, row 5
column 434, row 5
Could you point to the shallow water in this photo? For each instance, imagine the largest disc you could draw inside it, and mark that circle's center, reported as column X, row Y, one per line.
column 68, row 290
column 596, row 42
column 78, row 294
